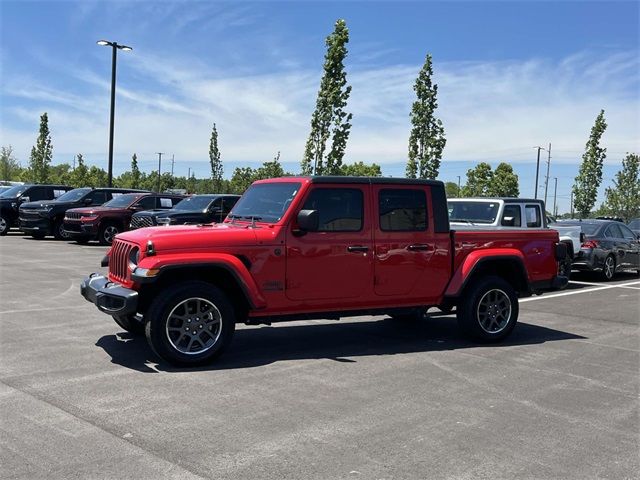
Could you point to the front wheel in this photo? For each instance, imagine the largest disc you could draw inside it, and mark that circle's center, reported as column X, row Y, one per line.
column 190, row 324
column 59, row 232
column 107, row 233
column 130, row 323
column 488, row 310
column 4, row 226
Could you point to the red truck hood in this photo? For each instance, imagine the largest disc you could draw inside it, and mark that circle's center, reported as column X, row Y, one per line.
column 95, row 210
column 189, row 237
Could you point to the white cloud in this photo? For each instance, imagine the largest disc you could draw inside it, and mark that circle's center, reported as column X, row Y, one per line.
column 491, row 110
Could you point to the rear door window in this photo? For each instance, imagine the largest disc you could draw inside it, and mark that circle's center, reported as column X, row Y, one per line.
column 613, row 232
column 147, row 203
column 402, row 210
column 166, row 202
column 513, row 212
column 626, row 233
column 339, row 209
column 98, row 197
column 38, row 193
column 533, row 216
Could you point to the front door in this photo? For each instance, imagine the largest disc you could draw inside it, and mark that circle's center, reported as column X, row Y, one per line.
column 335, row 262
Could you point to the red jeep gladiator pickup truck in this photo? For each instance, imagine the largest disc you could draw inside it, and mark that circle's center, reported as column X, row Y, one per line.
column 319, row 247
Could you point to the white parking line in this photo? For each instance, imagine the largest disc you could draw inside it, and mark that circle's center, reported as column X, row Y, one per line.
column 586, row 290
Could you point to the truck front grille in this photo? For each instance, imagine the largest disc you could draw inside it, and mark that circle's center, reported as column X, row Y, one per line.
column 141, row 222
column 73, row 216
column 26, row 214
column 119, row 260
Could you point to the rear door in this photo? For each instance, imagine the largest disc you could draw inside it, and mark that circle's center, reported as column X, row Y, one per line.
column 410, row 260
column 334, row 262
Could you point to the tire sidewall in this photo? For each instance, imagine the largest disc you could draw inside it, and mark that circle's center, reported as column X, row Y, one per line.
column 163, row 304
column 7, row 226
column 58, row 231
column 467, row 312
column 103, row 229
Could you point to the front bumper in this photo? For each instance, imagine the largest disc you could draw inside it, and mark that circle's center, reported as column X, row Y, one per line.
column 35, row 225
column 109, row 297
column 80, row 230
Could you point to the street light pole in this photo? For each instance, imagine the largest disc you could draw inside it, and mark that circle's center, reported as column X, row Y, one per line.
column 535, row 193
column 159, row 163
column 115, row 47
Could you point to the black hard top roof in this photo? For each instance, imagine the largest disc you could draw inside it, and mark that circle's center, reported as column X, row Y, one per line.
column 375, row 180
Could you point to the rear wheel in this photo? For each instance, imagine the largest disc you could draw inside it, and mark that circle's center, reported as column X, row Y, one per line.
column 190, row 324
column 107, row 233
column 609, row 268
column 4, row 226
column 489, row 310
column 130, row 323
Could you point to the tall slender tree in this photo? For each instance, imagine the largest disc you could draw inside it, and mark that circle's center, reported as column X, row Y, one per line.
column 623, row 198
column 41, row 153
column 135, row 172
column 427, row 139
column 585, row 188
column 330, row 120
column 217, row 169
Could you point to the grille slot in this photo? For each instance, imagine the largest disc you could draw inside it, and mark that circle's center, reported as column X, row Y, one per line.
column 119, row 260
column 73, row 216
column 29, row 213
column 141, row 222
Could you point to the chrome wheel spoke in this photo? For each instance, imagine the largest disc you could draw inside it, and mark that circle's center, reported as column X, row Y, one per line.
column 194, row 326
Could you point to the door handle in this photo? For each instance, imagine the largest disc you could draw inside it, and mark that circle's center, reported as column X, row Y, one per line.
column 420, row 247
column 357, row 248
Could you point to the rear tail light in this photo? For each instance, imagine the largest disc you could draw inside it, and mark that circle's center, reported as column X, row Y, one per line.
column 590, row 244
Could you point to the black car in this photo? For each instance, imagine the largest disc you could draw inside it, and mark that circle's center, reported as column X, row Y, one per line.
column 39, row 219
column 634, row 226
column 608, row 247
column 14, row 197
column 193, row 210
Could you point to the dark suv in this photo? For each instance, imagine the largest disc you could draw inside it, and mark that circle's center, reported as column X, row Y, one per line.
column 39, row 219
column 193, row 210
column 105, row 222
column 12, row 198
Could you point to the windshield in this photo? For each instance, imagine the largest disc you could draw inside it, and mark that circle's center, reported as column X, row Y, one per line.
column 73, row 195
column 196, row 203
column 14, row 191
column 473, row 212
column 122, row 201
column 635, row 224
column 266, row 202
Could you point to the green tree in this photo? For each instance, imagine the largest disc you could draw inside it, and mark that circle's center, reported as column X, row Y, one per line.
column 329, row 119
column 623, row 198
column 272, row 169
column 241, row 179
column 427, row 140
column 585, row 188
column 452, row 190
column 9, row 166
column 505, row 182
column 478, row 181
column 41, row 153
column 217, row 169
column 361, row 169
column 96, row 177
column 135, row 172
column 80, row 174
column 60, row 174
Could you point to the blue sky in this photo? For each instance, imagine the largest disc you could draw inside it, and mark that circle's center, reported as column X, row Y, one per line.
column 511, row 75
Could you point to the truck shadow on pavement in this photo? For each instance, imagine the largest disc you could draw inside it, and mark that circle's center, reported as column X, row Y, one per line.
column 340, row 341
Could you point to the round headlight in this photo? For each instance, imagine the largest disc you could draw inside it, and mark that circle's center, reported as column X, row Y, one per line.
column 134, row 256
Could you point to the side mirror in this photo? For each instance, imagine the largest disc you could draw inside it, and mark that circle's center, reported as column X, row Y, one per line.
column 308, row 220
column 508, row 221
column 25, row 199
column 87, row 201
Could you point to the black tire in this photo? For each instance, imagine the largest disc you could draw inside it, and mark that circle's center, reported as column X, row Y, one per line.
column 564, row 269
column 495, row 319
column 163, row 314
column 107, row 233
column 5, row 225
column 608, row 268
column 130, row 323
column 58, row 231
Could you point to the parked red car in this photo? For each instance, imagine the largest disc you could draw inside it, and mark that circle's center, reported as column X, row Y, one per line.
column 319, row 247
column 105, row 222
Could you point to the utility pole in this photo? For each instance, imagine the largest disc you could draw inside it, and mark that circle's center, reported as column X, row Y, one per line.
column 535, row 192
column 173, row 158
column 458, row 185
column 74, row 162
column 189, row 175
column 546, row 182
column 572, row 204
column 555, row 194
column 159, row 164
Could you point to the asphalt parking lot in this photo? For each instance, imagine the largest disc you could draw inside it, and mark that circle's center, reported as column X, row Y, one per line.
column 361, row 398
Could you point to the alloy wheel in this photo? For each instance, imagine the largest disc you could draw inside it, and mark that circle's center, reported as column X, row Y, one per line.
column 109, row 234
column 194, row 326
column 494, row 311
column 609, row 268
column 3, row 225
